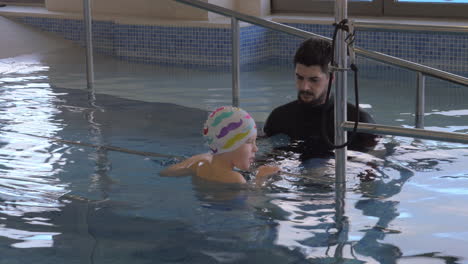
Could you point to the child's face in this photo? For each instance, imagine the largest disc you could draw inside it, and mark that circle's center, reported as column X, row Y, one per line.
column 244, row 155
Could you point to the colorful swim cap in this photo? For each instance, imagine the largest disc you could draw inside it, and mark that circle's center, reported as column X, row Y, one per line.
column 227, row 128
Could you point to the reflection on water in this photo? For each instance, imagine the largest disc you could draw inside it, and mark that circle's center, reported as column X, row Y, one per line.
column 29, row 239
column 404, row 202
column 462, row 112
column 28, row 178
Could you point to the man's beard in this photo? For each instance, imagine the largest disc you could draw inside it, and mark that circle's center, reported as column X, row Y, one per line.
column 317, row 101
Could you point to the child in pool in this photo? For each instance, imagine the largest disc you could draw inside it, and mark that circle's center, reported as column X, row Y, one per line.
column 231, row 135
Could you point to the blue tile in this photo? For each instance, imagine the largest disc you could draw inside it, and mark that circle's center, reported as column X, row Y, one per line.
column 212, row 46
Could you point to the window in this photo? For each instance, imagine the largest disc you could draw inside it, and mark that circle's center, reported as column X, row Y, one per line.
column 408, row 8
column 426, row 8
column 355, row 7
column 23, row 1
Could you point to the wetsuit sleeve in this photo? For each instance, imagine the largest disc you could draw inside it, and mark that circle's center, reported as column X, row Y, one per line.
column 363, row 141
column 269, row 124
column 272, row 124
column 364, row 117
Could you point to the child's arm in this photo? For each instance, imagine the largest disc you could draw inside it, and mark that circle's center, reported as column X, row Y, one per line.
column 186, row 167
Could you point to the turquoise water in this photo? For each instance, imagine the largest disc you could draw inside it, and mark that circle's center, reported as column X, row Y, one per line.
column 62, row 202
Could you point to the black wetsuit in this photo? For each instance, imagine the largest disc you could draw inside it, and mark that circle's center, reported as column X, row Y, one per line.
column 302, row 123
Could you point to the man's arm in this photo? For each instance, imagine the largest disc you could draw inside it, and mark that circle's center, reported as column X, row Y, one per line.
column 362, row 141
column 269, row 127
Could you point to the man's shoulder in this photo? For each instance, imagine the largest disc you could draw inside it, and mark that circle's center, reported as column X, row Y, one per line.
column 279, row 120
column 364, row 116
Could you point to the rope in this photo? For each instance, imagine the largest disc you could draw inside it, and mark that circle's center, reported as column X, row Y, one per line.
column 106, row 147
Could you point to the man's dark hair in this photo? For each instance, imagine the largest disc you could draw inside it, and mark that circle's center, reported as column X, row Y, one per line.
column 314, row 52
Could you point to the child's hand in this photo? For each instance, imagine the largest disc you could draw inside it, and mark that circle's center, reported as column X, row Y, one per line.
column 267, row 170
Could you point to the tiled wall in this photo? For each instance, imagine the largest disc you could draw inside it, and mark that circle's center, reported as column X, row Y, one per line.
column 202, row 46
column 172, row 45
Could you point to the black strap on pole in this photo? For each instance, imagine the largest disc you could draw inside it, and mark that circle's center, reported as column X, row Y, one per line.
column 342, row 25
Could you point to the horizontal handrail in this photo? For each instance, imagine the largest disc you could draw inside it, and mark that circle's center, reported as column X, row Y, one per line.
column 252, row 19
column 305, row 34
column 426, row 70
column 407, row 132
column 410, row 27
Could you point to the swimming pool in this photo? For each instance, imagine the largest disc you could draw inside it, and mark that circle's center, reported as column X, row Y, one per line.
column 69, row 203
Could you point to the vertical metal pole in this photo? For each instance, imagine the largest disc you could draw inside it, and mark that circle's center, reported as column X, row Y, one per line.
column 420, row 101
column 89, row 43
column 235, row 61
column 101, row 157
column 341, row 11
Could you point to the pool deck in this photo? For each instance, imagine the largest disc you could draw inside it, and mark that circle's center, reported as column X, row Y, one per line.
column 436, row 24
column 17, row 39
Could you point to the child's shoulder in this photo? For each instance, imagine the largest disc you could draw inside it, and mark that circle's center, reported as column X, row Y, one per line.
column 233, row 177
column 208, row 172
column 203, row 156
column 200, row 159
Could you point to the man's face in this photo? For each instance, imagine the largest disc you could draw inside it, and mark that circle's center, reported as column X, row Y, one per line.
column 311, row 84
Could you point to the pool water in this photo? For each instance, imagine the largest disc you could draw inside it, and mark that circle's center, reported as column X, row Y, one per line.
column 75, row 202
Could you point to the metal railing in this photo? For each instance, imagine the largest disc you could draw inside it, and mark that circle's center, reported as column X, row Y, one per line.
column 408, row 132
column 89, row 43
column 411, row 27
column 305, row 34
column 421, row 70
column 340, row 181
